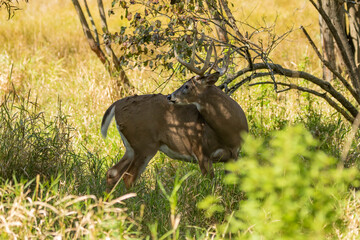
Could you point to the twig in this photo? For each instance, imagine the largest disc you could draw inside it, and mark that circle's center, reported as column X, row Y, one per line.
column 248, row 57
column 216, row 17
column 231, row 19
column 238, row 74
column 102, row 16
column 245, row 80
column 264, row 59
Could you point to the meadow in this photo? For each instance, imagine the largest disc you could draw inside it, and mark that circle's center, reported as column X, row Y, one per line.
column 54, row 92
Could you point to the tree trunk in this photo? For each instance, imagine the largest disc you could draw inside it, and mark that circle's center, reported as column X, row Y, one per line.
column 331, row 53
column 354, row 32
column 332, row 13
column 219, row 25
column 117, row 70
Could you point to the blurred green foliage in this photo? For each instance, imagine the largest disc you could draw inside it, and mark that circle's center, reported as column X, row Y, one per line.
column 293, row 190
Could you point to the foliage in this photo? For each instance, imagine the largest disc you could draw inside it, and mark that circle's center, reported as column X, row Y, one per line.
column 153, row 31
column 156, row 28
column 293, row 190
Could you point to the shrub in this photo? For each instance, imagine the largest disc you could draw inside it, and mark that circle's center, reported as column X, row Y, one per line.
column 293, row 190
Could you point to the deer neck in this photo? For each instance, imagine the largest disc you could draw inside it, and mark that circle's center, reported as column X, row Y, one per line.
column 222, row 114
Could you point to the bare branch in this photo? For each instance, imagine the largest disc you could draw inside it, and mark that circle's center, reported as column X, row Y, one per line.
column 247, row 79
column 248, row 57
column 231, row 19
column 278, row 69
column 95, row 46
column 321, row 95
column 216, row 18
column 123, row 77
column 265, row 61
column 333, row 70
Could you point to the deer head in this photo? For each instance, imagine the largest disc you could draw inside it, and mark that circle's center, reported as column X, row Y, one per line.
column 192, row 90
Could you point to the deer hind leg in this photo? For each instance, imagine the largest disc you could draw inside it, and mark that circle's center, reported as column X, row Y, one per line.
column 117, row 171
column 138, row 165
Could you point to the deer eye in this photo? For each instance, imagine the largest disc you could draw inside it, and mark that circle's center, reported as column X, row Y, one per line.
column 185, row 89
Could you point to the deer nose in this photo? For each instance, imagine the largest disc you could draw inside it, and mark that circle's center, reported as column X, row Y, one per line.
column 168, row 97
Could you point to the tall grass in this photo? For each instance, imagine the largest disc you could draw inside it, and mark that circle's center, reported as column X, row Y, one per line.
column 33, row 144
column 30, row 145
column 48, row 212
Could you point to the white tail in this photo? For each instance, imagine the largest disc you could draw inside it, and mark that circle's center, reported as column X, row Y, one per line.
column 108, row 116
column 196, row 123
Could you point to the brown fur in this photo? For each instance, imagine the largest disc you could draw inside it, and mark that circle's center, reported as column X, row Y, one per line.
column 150, row 121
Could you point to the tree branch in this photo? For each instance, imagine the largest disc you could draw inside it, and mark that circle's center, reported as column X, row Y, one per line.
column 123, row 77
column 247, row 79
column 88, row 35
column 321, row 95
column 92, row 23
column 278, row 69
column 231, row 19
column 219, row 26
column 333, row 70
column 102, row 16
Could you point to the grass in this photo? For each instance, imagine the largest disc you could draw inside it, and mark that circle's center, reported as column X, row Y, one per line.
column 61, row 91
column 50, row 212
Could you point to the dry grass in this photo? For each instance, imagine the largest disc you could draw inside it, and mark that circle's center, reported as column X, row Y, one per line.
column 351, row 218
column 49, row 214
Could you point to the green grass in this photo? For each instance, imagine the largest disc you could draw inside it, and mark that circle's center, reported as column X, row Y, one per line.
column 55, row 89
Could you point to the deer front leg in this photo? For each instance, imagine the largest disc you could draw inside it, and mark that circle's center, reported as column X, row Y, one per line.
column 206, row 167
column 205, row 163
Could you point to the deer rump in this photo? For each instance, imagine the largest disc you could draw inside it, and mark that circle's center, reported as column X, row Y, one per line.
column 148, row 123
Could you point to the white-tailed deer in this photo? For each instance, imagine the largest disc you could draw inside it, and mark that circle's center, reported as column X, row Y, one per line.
column 196, row 123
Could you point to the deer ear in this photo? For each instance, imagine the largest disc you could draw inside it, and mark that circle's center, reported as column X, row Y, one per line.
column 212, row 78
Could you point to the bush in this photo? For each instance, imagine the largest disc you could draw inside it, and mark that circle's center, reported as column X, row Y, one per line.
column 293, row 190
column 30, row 144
